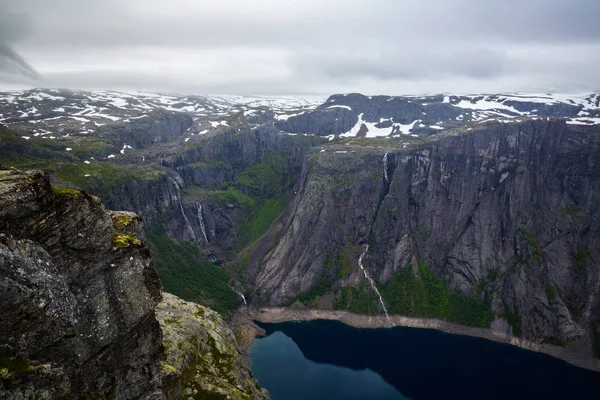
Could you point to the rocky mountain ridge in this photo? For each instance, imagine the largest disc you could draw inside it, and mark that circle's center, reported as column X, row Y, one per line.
column 356, row 115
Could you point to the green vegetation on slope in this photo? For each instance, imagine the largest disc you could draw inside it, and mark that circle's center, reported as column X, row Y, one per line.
column 262, row 194
column 258, row 180
column 17, row 151
column 263, row 216
column 101, row 176
column 514, row 320
column 362, row 300
column 184, row 272
column 406, row 294
column 427, row 296
column 337, row 266
column 581, row 258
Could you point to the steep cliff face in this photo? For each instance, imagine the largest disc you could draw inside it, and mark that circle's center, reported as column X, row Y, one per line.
column 504, row 213
column 203, row 351
column 197, row 176
column 78, row 297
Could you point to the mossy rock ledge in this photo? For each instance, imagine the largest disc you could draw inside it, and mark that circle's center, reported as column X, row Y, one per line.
column 202, row 349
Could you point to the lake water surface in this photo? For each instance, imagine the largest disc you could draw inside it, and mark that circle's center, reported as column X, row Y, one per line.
column 332, row 361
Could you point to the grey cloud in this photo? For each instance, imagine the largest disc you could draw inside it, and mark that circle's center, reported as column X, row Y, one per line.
column 12, row 63
column 283, row 23
column 409, row 64
column 12, row 27
column 326, row 45
column 155, row 81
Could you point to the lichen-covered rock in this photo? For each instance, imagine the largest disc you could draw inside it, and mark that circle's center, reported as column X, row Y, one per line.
column 77, row 311
column 201, row 347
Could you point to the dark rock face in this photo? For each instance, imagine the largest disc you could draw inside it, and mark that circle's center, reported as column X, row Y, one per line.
column 155, row 128
column 506, row 212
column 78, row 297
column 341, row 112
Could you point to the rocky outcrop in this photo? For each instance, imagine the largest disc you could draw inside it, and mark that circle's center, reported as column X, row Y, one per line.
column 506, row 213
column 78, row 297
column 201, row 349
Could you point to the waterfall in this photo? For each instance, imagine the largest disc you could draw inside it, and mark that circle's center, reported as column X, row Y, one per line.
column 385, row 172
column 185, row 218
column 241, row 295
column 201, row 221
column 372, row 283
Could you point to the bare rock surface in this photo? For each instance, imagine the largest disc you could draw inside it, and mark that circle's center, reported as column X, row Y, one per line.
column 78, row 293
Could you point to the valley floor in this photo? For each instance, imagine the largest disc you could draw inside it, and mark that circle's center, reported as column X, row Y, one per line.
column 282, row 314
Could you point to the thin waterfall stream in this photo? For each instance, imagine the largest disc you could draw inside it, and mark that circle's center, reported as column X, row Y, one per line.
column 201, row 221
column 243, row 297
column 185, row 218
column 373, row 286
column 385, row 161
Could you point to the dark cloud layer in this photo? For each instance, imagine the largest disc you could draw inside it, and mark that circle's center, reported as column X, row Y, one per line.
column 294, row 46
column 12, row 27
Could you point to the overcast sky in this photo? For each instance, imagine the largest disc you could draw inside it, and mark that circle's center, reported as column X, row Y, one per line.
column 269, row 47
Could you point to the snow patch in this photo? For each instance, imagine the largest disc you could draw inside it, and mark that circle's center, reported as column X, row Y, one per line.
column 340, row 106
column 285, row 117
column 405, row 129
column 125, row 147
column 584, row 121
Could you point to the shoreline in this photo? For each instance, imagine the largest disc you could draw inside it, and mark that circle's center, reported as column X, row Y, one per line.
column 282, row 314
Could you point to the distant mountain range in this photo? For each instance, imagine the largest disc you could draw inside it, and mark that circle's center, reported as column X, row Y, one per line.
column 54, row 113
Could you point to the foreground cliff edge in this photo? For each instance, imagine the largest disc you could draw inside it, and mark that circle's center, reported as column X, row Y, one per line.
column 79, row 293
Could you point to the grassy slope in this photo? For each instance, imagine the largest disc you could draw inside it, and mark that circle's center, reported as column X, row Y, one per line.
column 184, row 271
column 425, row 295
column 421, row 295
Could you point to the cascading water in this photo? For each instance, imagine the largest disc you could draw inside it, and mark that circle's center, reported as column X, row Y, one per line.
column 385, row 172
column 239, row 294
column 372, row 283
column 185, row 218
column 243, row 298
column 201, row 221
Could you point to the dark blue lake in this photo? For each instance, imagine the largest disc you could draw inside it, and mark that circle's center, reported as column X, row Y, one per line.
column 332, row 361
